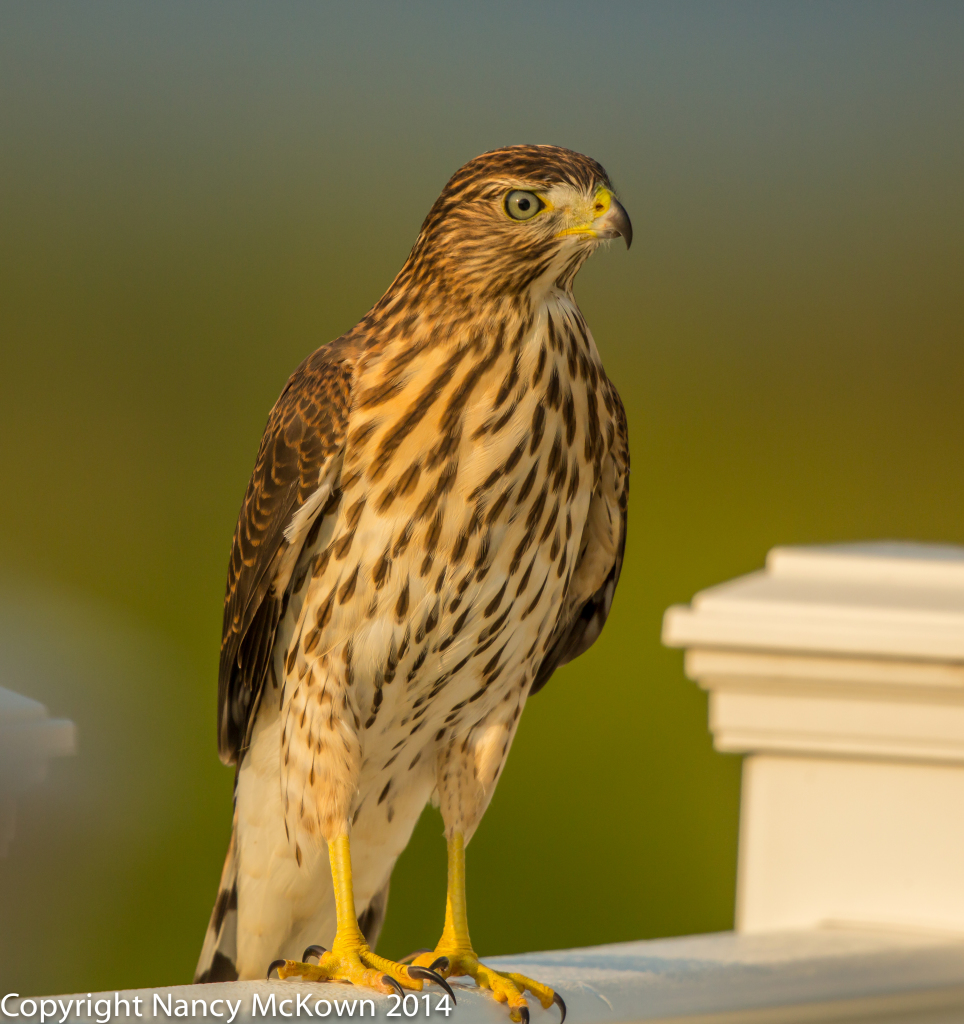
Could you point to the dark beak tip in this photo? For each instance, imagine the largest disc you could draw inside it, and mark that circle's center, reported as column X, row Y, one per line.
column 625, row 226
column 621, row 224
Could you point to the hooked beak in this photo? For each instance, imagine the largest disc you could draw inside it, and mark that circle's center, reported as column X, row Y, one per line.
column 614, row 223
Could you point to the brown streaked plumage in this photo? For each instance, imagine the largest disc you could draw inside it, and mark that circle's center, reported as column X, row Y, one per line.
column 435, row 523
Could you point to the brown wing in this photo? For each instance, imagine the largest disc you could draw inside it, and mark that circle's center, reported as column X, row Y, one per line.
column 295, row 477
column 600, row 558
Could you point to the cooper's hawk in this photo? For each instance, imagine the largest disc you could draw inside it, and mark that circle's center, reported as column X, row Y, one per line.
column 435, row 523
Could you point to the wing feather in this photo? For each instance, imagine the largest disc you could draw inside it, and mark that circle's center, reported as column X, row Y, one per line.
column 599, row 562
column 295, row 475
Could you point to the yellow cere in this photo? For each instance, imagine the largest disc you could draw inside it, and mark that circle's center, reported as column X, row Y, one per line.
column 601, row 203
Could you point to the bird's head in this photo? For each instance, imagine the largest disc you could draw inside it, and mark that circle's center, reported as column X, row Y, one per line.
column 517, row 220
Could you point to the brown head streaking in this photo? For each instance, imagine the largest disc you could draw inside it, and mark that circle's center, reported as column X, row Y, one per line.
column 470, row 251
column 435, row 522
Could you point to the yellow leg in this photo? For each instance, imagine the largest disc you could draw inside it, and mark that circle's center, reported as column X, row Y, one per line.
column 456, row 946
column 350, row 958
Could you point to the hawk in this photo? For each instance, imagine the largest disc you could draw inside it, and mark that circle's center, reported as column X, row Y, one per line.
column 435, row 523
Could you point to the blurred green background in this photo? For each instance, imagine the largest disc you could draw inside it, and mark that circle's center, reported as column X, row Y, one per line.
column 194, row 196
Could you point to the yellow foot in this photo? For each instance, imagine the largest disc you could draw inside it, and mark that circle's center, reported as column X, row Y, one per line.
column 506, row 987
column 360, row 966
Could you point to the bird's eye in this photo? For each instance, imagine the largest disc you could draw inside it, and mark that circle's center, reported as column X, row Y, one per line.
column 521, row 205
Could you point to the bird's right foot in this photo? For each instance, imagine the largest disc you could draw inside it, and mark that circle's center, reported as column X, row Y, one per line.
column 358, row 965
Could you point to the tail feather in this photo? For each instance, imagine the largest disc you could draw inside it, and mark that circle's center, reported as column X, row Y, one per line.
column 219, row 954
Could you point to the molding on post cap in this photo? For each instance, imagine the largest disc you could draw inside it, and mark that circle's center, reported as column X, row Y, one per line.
column 884, row 600
column 854, row 651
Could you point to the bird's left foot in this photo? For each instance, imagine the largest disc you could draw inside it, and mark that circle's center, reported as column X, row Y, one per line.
column 505, row 986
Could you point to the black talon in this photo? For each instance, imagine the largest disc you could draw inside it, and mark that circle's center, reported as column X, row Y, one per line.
column 395, row 985
column 441, row 964
column 275, row 964
column 524, row 1014
column 561, row 1003
column 312, row 951
column 411, row 956
column 427, row 974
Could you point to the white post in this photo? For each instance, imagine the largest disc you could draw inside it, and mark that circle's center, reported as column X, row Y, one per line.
column 839, row 672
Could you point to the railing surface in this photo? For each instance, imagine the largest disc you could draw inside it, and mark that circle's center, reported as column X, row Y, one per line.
column 818, row 975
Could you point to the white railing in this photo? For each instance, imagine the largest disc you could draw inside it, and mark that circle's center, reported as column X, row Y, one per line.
column 831, row 975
